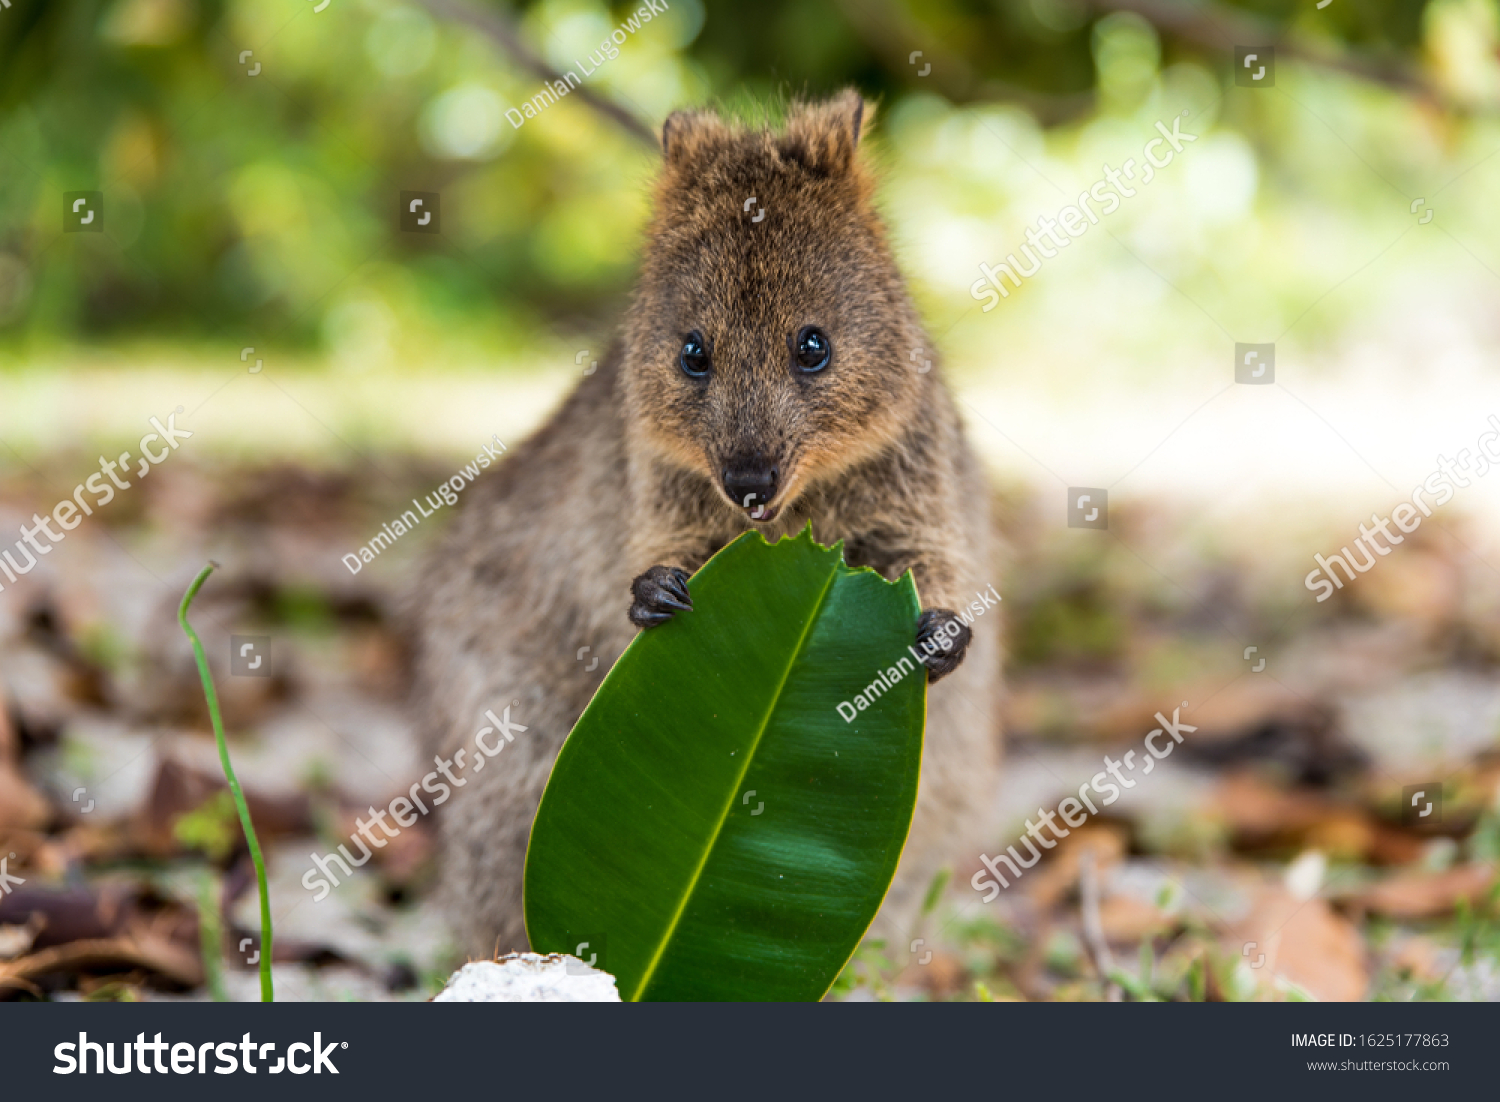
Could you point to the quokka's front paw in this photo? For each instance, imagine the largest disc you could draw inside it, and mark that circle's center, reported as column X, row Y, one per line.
column 659, row 594
column 942, row 638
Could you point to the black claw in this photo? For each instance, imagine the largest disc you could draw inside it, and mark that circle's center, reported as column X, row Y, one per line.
column 932, row 628
column 675, row 583
column 659, row 594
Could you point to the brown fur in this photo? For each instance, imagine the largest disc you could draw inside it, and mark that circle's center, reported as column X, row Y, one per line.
column 626, row 476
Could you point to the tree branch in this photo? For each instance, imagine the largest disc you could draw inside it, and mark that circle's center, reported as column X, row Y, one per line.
column 1220, row 29
column 499, row 30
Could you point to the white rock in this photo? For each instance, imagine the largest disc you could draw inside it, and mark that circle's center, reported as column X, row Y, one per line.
column 1304, row 876
column 529, row 978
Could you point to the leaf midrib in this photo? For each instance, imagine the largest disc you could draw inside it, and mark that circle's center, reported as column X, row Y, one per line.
column 713, row 839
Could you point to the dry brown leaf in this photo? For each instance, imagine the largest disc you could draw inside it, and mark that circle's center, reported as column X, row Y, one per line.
column 1417, row 957
column 178, row 789
column 1341, row 832
column 66, row 914
column 941, row 977
column 400, row 857
column 25, row 844
column 1127, row 920
column 1417, row 587
column 1411, row 895
column 1257, row 810
column 1305, row 942
column 380, row 663
column 84, row 843
column 1056, row 875
column 1389, row 846
column 21, row 805
column 10, row 742
column 175, row 963
column 1226, row 710
column 1258, row 813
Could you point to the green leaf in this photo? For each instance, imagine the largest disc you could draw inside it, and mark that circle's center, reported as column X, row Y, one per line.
column 713, row 828
column 935, row 889
column 210, row 827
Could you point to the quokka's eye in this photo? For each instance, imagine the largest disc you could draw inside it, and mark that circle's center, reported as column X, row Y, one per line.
column 694, row 357
column 814, row 349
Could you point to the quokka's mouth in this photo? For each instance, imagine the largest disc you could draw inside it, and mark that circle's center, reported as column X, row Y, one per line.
column 757, row 512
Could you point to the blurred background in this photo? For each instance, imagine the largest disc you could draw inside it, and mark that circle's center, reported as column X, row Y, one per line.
column 246, row 269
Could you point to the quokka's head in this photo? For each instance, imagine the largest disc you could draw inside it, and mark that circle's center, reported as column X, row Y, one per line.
column 771, row 341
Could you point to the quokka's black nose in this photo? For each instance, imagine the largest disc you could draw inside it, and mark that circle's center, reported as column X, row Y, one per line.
column 750, row 484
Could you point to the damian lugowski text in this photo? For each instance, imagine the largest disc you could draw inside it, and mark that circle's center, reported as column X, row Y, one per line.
column 942, row 639
column 446, row 494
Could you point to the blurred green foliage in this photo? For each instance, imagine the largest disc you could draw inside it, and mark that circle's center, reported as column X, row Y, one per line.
column 262, row 209
column 210, row 827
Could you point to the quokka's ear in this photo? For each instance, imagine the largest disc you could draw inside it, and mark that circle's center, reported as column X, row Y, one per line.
column 688, row 134
column 824, row 136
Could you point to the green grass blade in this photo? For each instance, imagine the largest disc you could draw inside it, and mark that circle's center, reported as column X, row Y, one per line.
column 212, row 696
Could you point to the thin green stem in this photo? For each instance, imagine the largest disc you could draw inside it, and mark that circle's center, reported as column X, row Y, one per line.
column 212, row 696
column 210, row 937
